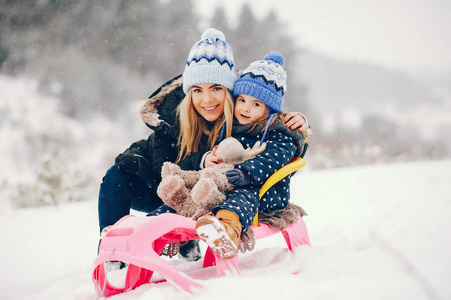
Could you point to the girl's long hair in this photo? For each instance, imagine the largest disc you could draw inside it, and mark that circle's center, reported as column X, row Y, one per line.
column 192, row 125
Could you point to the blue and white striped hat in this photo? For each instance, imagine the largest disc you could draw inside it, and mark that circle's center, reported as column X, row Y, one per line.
column 210, row 61
column 265, row 80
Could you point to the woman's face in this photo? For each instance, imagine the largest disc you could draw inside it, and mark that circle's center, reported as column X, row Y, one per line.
column 208, row 100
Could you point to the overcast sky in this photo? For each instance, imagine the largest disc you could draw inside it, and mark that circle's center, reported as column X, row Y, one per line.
column 412, row 35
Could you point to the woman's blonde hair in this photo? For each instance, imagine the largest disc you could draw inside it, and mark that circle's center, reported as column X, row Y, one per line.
column 192, row 125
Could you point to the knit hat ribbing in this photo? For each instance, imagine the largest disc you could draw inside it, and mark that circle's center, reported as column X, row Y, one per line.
column 265, row 80
column 210, row 61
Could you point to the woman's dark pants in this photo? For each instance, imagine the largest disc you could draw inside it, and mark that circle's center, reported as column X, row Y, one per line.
column 121, row 191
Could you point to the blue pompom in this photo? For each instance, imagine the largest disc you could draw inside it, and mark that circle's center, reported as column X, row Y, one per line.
column 211, row 33
column 276, row 57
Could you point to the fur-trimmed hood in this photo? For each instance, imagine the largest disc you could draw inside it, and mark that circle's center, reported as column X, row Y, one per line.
column 159, row 107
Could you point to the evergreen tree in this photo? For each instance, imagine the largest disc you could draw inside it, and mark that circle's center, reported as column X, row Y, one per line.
column 220, row 22
column 254, row 38
column 3, row 52
column 178, row 31
column 246, row 39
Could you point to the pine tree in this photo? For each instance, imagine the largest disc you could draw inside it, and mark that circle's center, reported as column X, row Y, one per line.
column 178, row 31
column 220, row 22
column 252, row 39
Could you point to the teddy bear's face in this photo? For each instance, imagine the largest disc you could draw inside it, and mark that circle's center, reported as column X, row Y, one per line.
column 230, row 150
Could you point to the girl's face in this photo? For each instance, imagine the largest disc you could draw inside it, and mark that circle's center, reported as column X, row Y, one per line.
column 208, row 100
column 249, row 109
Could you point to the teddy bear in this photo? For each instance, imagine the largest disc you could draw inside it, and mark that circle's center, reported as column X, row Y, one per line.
column 194, row 193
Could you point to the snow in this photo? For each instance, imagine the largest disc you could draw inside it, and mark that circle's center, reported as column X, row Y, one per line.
column 45, row 153
column 377, row 232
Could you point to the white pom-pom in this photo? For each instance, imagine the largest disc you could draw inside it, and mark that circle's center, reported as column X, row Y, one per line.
column 211, row 33
column 276, row 57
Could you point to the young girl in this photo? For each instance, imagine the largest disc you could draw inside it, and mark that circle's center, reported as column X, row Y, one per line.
column 259, row 91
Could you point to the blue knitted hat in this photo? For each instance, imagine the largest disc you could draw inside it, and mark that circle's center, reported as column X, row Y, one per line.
column 210, row 61
column 265, row 80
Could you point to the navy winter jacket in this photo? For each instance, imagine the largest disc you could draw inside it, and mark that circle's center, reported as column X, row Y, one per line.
column 282, row 146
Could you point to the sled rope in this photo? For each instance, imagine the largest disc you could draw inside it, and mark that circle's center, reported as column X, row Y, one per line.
column 106, row 274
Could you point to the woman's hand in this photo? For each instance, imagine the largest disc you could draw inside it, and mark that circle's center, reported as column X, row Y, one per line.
column 296, row 121
column 211, row 159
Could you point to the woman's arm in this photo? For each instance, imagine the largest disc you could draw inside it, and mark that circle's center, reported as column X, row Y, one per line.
column 191, row 162
column 137, row 160
column 194, row 161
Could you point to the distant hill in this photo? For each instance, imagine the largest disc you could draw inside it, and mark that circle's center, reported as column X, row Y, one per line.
column 337, row 87
column 336, row 84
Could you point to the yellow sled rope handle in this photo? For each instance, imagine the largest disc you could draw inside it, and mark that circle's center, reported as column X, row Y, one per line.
column 295, row 165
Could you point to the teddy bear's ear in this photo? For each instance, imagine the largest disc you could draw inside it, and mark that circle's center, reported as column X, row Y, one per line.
column 256, row 149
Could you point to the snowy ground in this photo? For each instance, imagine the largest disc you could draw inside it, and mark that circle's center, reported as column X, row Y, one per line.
column 379, row 232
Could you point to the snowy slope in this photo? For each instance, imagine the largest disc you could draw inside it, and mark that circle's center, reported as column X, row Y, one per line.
column 379, row 232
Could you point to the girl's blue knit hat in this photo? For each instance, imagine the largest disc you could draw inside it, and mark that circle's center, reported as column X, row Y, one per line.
column 210, row 61
column 265, row 80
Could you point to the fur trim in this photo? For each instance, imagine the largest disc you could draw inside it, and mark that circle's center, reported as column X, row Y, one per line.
column 148, row 108
column 281, row 218
column 307, row 135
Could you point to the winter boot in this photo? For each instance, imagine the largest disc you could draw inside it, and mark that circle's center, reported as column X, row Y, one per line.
column 220, row 232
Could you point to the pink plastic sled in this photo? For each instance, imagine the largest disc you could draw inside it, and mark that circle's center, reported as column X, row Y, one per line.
column 139, row 241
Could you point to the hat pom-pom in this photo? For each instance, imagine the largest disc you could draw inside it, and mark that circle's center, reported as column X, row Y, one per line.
column 276, row 57
column 211, row 33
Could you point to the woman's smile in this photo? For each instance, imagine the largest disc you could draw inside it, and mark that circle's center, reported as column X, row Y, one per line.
column 211, row 108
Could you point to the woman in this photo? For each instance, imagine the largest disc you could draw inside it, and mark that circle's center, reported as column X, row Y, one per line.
column 202, row 102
